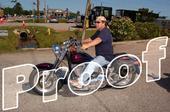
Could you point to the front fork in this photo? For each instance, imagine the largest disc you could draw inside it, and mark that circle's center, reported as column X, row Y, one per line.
column 58, row 62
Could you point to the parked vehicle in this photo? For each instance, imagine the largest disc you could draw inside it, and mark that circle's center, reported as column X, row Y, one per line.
column 53, row 19
column 2, row 19
column 71, row 20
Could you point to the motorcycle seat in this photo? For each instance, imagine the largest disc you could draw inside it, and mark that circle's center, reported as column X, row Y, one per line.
column 118, row 54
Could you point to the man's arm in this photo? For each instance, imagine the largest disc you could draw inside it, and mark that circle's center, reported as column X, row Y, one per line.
column 92, row 43
column 91, row 38
column 86, row 40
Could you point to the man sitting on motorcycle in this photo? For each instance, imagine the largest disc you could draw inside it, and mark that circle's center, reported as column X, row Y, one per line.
column 102, row 40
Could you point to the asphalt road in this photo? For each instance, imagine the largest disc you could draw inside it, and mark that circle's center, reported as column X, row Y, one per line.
column 141, row 97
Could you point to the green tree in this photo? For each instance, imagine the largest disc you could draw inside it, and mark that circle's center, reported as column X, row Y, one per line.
column 78, row 13
column 18, row 9
column 9, row 11
column 145, row 15
column 27, row 12
column 72, row 15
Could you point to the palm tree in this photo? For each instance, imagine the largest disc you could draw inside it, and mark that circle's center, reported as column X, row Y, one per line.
column 38, row 10
column 14, row 1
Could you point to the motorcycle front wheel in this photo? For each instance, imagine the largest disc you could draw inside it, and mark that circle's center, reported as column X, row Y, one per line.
column 49, row 86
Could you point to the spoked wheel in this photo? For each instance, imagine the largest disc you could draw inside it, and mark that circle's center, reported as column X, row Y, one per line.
column 122, row 77
column 49, row 85
column 115, row 79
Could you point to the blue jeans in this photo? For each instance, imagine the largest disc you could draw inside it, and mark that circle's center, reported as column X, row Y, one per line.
column 91, row 68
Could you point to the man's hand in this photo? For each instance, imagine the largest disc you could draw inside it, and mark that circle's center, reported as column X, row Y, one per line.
column 85, row 46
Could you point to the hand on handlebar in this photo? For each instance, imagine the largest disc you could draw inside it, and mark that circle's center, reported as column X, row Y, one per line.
column 84, row 46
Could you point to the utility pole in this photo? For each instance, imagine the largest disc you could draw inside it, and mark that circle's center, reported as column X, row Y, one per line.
column 67, row 13
column 86, row 21
column 81, row 6
column 45, row 11
column 101, row 13
column 38, row 11
column 33, row 11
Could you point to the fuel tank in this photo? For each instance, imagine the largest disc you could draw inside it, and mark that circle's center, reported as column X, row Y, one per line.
column 80, row 57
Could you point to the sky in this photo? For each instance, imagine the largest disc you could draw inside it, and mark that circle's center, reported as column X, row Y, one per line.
column 158, row 6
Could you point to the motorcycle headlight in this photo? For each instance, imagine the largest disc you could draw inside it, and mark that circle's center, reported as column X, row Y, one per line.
column 56, row 49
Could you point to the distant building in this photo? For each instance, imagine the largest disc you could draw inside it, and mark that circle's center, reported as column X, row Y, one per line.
column 127, row 13
column 133, row 14
column 58, row 13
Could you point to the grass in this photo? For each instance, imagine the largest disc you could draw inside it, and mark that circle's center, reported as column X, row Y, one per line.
column 41, row 20
column 9, row 44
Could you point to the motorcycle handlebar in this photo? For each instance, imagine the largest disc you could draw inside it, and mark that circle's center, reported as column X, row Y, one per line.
column 71, row 42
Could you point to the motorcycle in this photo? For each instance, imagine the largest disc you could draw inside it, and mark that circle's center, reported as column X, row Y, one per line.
column 71, row 54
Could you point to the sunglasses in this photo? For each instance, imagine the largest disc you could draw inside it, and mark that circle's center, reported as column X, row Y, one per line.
column 97, row 22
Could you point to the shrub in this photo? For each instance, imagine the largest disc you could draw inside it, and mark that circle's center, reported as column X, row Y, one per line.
column 147, row 30
column 165, row 32
column 123, row 28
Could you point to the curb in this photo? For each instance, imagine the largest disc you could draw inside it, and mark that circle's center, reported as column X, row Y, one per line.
column 114, row 43
column 130, row 42
column 37, row 49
